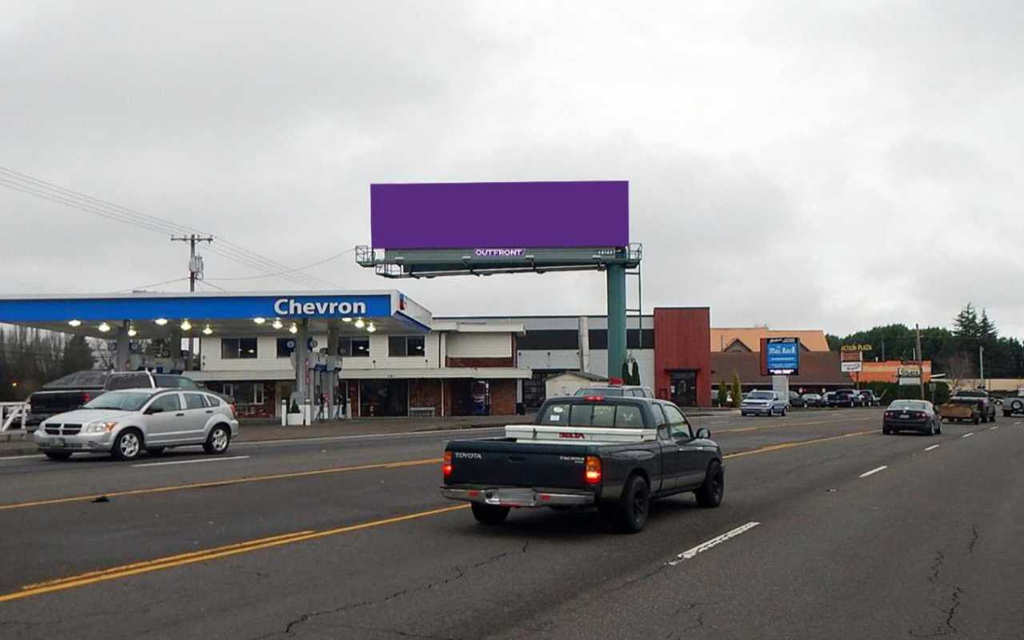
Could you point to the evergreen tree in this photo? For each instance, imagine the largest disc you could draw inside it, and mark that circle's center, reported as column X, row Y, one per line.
column 77, row 356
column 723, row 393
column 737, row 390
column 635, row 376
column 987, row 329
column 966, row 325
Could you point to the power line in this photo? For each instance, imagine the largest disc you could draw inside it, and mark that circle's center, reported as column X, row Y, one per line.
column 48, row 191
column 308, row 266
column 155, row 284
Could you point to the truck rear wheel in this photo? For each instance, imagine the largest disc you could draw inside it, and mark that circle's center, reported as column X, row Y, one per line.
column 489, row 514
column 711, row 492
column 629, row 513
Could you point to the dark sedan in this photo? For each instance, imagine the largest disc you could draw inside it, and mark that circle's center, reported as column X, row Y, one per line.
column 911, row 415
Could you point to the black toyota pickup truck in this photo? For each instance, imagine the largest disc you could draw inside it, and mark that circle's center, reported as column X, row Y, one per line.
column 615, row 453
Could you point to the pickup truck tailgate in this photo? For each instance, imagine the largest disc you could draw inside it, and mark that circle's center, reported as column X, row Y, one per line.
column 507, row 463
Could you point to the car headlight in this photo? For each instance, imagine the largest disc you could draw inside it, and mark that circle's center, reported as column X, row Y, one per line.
column 100, row 427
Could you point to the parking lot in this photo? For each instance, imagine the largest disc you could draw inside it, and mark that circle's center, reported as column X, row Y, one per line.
column 828, row 529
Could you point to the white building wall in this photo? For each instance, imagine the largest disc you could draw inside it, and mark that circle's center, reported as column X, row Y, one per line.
column 569, row 360
column 381, row 359
column 479, row 345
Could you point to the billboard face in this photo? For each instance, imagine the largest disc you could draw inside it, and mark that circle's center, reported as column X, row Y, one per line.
column 781, row 356
column 490, row 216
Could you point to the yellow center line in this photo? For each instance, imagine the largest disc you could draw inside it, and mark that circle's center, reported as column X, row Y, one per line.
column 794, row 424
column 220, row 483
column 171, row 562
column 797, row 443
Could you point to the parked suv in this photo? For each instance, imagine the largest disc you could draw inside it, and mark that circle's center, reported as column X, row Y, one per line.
column 764, row 403
column 845, row 398
column 128, row 421
column 869, row 399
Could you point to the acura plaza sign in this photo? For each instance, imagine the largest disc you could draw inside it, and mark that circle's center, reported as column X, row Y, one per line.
column 293, row 307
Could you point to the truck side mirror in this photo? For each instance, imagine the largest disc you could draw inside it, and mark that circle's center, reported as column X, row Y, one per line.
column 703, row 433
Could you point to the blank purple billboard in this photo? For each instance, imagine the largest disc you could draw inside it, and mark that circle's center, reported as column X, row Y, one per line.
column 469, row 215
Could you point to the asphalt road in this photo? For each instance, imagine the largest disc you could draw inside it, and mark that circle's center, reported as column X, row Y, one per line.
column 348, row 538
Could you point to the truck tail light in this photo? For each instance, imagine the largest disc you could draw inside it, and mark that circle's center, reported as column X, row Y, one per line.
column 446, row 467
column 234, row 410
column 592, row 471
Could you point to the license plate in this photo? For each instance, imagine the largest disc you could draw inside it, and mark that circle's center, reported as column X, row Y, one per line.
column 57, row 442
column 904, row 416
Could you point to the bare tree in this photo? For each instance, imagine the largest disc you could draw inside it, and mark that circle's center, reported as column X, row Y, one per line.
column 959, row 369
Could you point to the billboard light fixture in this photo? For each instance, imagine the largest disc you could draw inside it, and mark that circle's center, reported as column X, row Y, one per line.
column 161, row 321
column 372, row 328
column 186, row 325
column 132, row 332
column 346, row 319
column 104, row 327
column 359, row 323
column 207, row 330
column 75, row 323
column 293, row 329
column 259, row 320
column 277, row 324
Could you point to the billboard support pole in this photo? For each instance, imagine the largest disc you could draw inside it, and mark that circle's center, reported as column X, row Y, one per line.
column 616, row 319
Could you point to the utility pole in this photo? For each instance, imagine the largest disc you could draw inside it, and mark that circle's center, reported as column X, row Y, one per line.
column 920, row 358
column 981, row 365
column 195, row 272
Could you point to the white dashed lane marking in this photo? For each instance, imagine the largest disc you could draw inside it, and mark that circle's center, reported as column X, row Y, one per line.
column 968, row 434
column 932, row 448
column 164, row 464
column 713, row 542
column 873, row 471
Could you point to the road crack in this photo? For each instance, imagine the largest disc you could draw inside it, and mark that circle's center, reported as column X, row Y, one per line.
column 459, row 574
column 974, row 539
column 954, row 598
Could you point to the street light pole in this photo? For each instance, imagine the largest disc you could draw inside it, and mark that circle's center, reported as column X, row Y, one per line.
column 920, row 360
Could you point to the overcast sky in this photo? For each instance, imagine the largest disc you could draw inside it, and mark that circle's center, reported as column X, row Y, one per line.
column 829, row 165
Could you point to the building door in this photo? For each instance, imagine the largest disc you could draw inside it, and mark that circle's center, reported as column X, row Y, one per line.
column 383, row 398
column 684, row 388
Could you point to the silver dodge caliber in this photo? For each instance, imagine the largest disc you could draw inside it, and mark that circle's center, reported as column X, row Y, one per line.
column 125, row 423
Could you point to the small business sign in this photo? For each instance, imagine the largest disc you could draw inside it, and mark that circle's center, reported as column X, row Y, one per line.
column 855, row 347
column 909, row 375
column 780, row 356
column 851, row 366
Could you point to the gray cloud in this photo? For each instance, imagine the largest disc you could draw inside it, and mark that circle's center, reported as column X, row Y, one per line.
column 787, row 161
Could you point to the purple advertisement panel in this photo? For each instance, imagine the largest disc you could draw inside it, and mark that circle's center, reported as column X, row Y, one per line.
column 495, row 215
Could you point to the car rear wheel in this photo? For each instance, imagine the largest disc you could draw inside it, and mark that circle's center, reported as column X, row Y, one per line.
column 629, row 513
column 489, row 514
column 58, row 455
column 128, row 445
column 784, row 411
column 710, row 494
column 218, row 440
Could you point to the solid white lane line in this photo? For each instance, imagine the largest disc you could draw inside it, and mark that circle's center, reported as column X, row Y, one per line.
column 714, row 542
column 366, row 436
column 170, row 462
column 932, row 448
column 22, row 457
column 874, row 471
column 967, row 435
column 992, row 428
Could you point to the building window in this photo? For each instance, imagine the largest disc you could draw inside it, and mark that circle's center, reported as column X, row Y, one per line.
column 238, row 348
column 285, row 347
column 406, row 346
column 354, row 347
